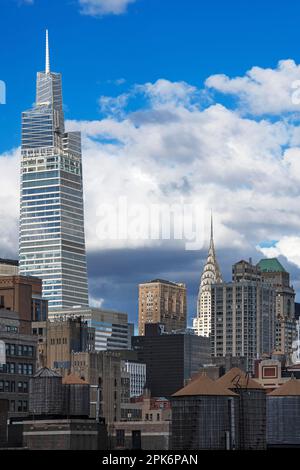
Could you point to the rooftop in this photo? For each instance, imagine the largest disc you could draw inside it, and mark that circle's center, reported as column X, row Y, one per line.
column 271, row 265
column 204, row 386
column 46, row 372
column 73, row 379
column 10, row 262
column 9, row 314
column 289, row 388
column 236, row 378
column 162, row 281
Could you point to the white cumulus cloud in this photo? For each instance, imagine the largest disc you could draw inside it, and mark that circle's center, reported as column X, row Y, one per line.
column 288, row 246
column 263, row 90
column 174, row 148
column 104, row 7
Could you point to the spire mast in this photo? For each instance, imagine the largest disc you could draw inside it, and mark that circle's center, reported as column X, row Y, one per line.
column 47, row 68
column 211, row 228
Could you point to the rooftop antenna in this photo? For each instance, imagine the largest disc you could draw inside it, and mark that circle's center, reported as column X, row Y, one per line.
column 47, row 68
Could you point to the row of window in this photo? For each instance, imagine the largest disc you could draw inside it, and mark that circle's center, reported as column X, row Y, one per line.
column 19, row 350
column 20, row 369
column 10, row 386
column 58, row 341
column 21, row 406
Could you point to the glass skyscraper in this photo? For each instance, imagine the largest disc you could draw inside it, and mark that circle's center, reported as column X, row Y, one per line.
column 52, row 241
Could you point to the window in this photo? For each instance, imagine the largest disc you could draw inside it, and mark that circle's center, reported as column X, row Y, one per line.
column 12, row 405
column 20, row 387
column 120, row 438
column 20, row 406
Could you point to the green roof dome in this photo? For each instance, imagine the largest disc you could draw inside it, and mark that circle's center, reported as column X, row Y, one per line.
column 271, row 265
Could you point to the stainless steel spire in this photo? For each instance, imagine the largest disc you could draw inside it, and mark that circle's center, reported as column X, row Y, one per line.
column 47, row 66
column 211, row 275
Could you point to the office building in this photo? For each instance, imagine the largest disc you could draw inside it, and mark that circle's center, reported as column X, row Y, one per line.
column 52, row 240
column 137, row 377
column 243, row 319
column 274, row 273
column 246, row 271
column 171, row 359
column 112, row 330
column 17, row 365
column 109, row 383
column 162, row 302
column 23, row 294
column 65, row 337
column 211, row 275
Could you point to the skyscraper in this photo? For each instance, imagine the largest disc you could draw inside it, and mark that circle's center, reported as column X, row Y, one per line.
column 274, row 273
column 243, row 315
column 163, row 302
column 211, row 275
column 52, row 241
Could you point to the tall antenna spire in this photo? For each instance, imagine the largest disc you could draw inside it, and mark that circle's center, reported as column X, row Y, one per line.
column 211, row 227
column 47, row 68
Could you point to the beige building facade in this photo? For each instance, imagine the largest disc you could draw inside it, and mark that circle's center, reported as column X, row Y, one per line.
column 163, row 302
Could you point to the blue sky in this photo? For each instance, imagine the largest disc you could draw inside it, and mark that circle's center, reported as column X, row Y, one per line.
column 178, row 40
column 197, row 105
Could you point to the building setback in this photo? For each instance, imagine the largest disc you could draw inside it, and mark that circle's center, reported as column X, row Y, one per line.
column 51, row 237
column 162, row 302
column 171, row 359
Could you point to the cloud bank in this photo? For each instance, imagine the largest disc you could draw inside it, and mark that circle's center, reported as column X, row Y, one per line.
column 166, row 141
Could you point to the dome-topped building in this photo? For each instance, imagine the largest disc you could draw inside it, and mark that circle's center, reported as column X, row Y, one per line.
column 211, row 275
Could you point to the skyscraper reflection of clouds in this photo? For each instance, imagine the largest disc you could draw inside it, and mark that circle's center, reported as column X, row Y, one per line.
column 52, row 241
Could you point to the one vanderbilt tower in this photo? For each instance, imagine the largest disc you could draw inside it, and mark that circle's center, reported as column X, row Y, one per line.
column 52, row 242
